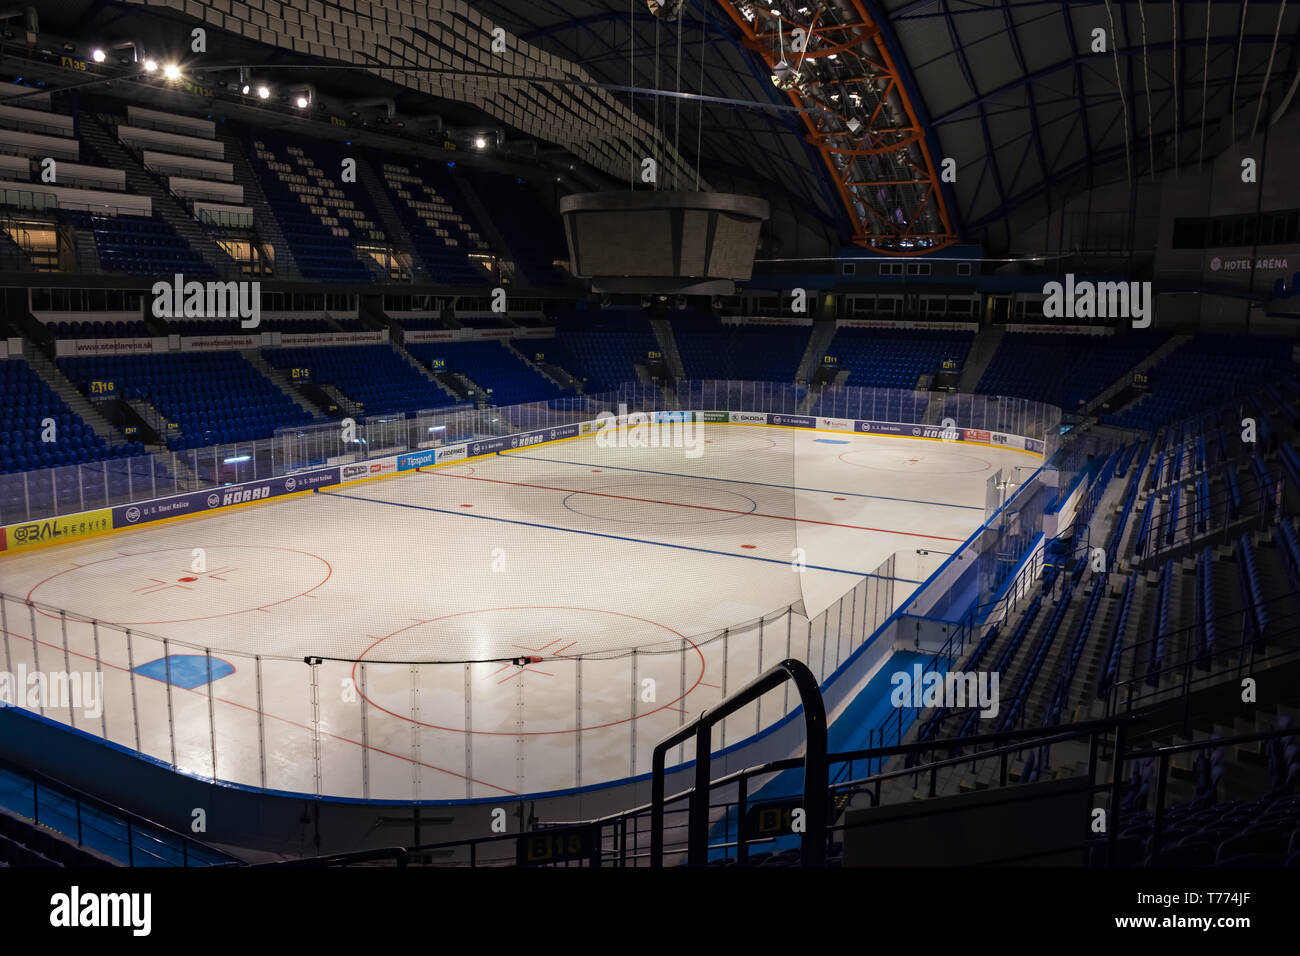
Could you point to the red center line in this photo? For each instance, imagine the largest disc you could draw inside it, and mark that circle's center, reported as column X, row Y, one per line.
column 678, row 504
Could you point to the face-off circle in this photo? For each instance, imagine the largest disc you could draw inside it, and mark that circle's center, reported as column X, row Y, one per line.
column 167, row 586
column 659, row 502
column 488, row 635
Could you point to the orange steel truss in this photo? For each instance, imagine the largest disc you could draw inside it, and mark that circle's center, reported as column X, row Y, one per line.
column 874, row 226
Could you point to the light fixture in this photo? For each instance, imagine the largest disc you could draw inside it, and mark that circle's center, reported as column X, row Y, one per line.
column 171, row 71
column 150, row 65
column 263, row 93
column 480, row 142
column 244, row 89
column 99, row 56
column 301, row 102
column 784, row 76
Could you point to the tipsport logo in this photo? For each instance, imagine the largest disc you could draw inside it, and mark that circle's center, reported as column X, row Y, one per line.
column 650, row 430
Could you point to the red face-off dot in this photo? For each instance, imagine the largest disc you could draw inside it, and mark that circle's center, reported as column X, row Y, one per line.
column 187, row 580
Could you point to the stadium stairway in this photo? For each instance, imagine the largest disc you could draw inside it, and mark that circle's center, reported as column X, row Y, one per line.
column 13, row 258
column 1170, row 345
column 663, row 330
column 87, row 252
column 62, row 387
column 97, row 135
column 981, row 353
column 558, row 374
column 285, row 265
column 24, row 843
column 548, row 372
column 483, row 220
column 412, row 361
column 819, row 340
column 280, row 381
column 389, row 220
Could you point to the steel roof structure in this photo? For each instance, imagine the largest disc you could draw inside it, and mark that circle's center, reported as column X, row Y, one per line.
column 899, row 125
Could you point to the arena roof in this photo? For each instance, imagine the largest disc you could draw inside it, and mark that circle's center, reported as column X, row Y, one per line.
column 1012, row 91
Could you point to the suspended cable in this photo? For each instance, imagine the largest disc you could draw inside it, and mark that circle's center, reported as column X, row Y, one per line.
column 677, row 105
column 1178, row 116
column 656, row 124
column 699, row 126
column 631, row 83
column 1236, row 67
column 1205, row 79
column 1146, row 74
column 1268, row 70
column 1119, row 83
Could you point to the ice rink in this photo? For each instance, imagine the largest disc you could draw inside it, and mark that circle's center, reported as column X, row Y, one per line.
column 642, row 584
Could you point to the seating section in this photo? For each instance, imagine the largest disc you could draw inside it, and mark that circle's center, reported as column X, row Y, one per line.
column 214, row 398
column 602, row 347
column 373, row 375
column 434, row 213
column 1063, row 369
column 120, row 329
column 509, row 379
column 25, row 402
column 896, row 358
column 323, row 219
column 533, row 231
column 756, row 353
column 1204, row 371
column 139, row 246
column 1264, row 832
column 208, row 327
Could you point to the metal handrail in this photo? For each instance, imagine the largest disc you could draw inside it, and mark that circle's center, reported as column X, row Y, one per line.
column 814, row 762
column 134, row 822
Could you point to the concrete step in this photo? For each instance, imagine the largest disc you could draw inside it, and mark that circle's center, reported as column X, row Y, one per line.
column 57, row 381
column 981, row 354
column 98, row 135
column 281, row 381
column 663, row 330
column 412, row 361
column 371, row 180
column 268, row 227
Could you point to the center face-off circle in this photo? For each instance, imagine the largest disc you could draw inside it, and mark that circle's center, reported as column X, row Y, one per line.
column 166, row 587
column 659, row 502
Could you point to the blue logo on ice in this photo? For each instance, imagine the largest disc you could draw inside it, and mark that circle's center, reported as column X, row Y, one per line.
column 186, row 670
